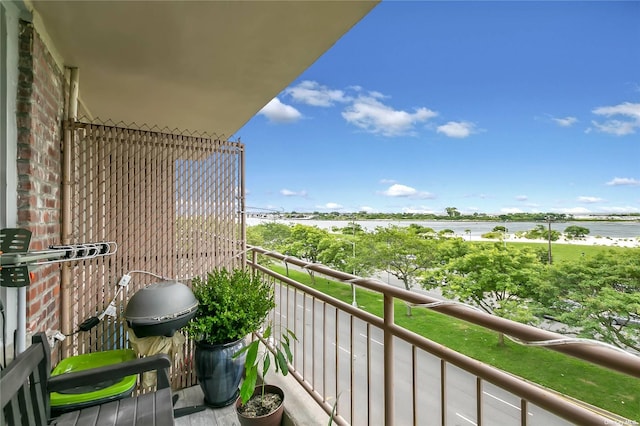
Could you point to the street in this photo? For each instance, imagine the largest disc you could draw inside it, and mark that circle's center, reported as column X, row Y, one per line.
column 356, row 362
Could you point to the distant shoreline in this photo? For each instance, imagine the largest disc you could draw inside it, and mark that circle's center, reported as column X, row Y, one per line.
column 626, row 234
column 400, row 217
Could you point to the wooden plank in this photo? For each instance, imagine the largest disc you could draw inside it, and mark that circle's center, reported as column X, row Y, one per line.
column 18, row 372
column 22, row 400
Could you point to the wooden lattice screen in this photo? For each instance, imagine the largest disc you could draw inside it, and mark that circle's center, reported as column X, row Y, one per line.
column 172, row 202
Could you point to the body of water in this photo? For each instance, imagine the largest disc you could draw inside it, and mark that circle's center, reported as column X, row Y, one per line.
column 596, row 229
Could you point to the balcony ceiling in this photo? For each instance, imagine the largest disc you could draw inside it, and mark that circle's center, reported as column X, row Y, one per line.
column 202, row 65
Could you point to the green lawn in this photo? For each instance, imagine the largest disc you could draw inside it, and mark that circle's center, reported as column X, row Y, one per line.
column 598, row 386
column 565, row 252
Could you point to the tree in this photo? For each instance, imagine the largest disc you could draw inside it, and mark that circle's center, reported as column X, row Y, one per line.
column 270, row 235
column 344, row 254
column 304, row 242
column 421, row 231
column 451, row 248
column 446, row 233
column 496, row 279
column 352, row 228
column 401, row 253
column 254, row 236
column 576, row 231
column 540, row 232
column 600, row 295
column 452, row 212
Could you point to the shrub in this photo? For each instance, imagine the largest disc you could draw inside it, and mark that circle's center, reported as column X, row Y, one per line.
column 232, row 304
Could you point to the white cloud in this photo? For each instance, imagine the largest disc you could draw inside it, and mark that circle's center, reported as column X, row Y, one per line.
column 522, row 198
column 398, row 190
column 626, row 124
column 623, row 181
column 616, row 127
column 277, row 112
column 314, row 94
column 387, row 181
column 626, row 108
column 565, row 122
column 457, row 129
column 289, row 193
column 366, row 209
column 333, row 206
column 368, row 113
column 584, row 199
column 330, row 206
column 510, row 210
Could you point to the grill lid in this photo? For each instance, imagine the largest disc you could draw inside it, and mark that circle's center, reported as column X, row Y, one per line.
column 160, row 302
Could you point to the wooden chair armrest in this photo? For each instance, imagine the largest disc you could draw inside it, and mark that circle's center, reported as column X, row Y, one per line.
column 159, row 362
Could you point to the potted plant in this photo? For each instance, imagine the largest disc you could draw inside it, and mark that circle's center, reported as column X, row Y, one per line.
column 232, row 305
column 263, row 404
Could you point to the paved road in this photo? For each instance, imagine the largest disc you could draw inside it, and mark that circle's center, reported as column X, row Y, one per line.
column 348, row 363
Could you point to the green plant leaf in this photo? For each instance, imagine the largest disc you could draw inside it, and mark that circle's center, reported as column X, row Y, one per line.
column 252, row 353
column 265, row 365
column 282, row 362
column 267, row 332
column 288, row 351
column 249, row 384
column 292, row 334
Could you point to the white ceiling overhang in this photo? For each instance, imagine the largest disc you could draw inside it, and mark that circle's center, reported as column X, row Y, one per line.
column 206, row 66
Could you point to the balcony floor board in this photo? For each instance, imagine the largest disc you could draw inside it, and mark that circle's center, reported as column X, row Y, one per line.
column 193, row 396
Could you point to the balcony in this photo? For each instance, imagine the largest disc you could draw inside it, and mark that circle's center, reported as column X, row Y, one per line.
column 381, row 373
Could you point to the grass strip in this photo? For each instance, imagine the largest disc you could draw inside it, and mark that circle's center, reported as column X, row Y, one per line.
column 564, row 252
column 604, row 388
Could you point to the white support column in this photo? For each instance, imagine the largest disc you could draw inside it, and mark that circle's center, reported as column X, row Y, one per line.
column 10, row 14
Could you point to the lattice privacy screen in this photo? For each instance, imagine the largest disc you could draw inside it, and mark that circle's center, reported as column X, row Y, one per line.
column 172, row 202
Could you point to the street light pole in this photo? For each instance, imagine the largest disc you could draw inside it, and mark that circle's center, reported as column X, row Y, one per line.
column 504, row 239
column 353, row 286
column 549, row 237
column 353, row 263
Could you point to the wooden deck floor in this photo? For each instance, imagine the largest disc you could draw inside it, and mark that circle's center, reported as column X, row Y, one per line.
column 300, row 408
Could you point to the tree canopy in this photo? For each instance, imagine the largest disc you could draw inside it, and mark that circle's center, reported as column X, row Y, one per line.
column 600, row 295
column 576, row 231
column 402, row 252
column 499, row 280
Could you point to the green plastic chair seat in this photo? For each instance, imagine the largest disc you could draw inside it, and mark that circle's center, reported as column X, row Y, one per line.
column 99, row 392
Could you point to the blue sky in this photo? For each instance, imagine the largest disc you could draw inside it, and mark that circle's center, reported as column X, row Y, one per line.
column 489, row 107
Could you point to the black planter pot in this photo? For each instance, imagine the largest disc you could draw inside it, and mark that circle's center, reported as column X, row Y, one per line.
column 218, row 373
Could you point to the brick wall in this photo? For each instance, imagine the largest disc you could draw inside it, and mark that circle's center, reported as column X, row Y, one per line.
column 39, row 118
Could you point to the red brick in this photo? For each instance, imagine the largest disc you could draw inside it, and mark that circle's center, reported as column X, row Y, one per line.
column 24, row 168
column 29, row 216
column 33, row 307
